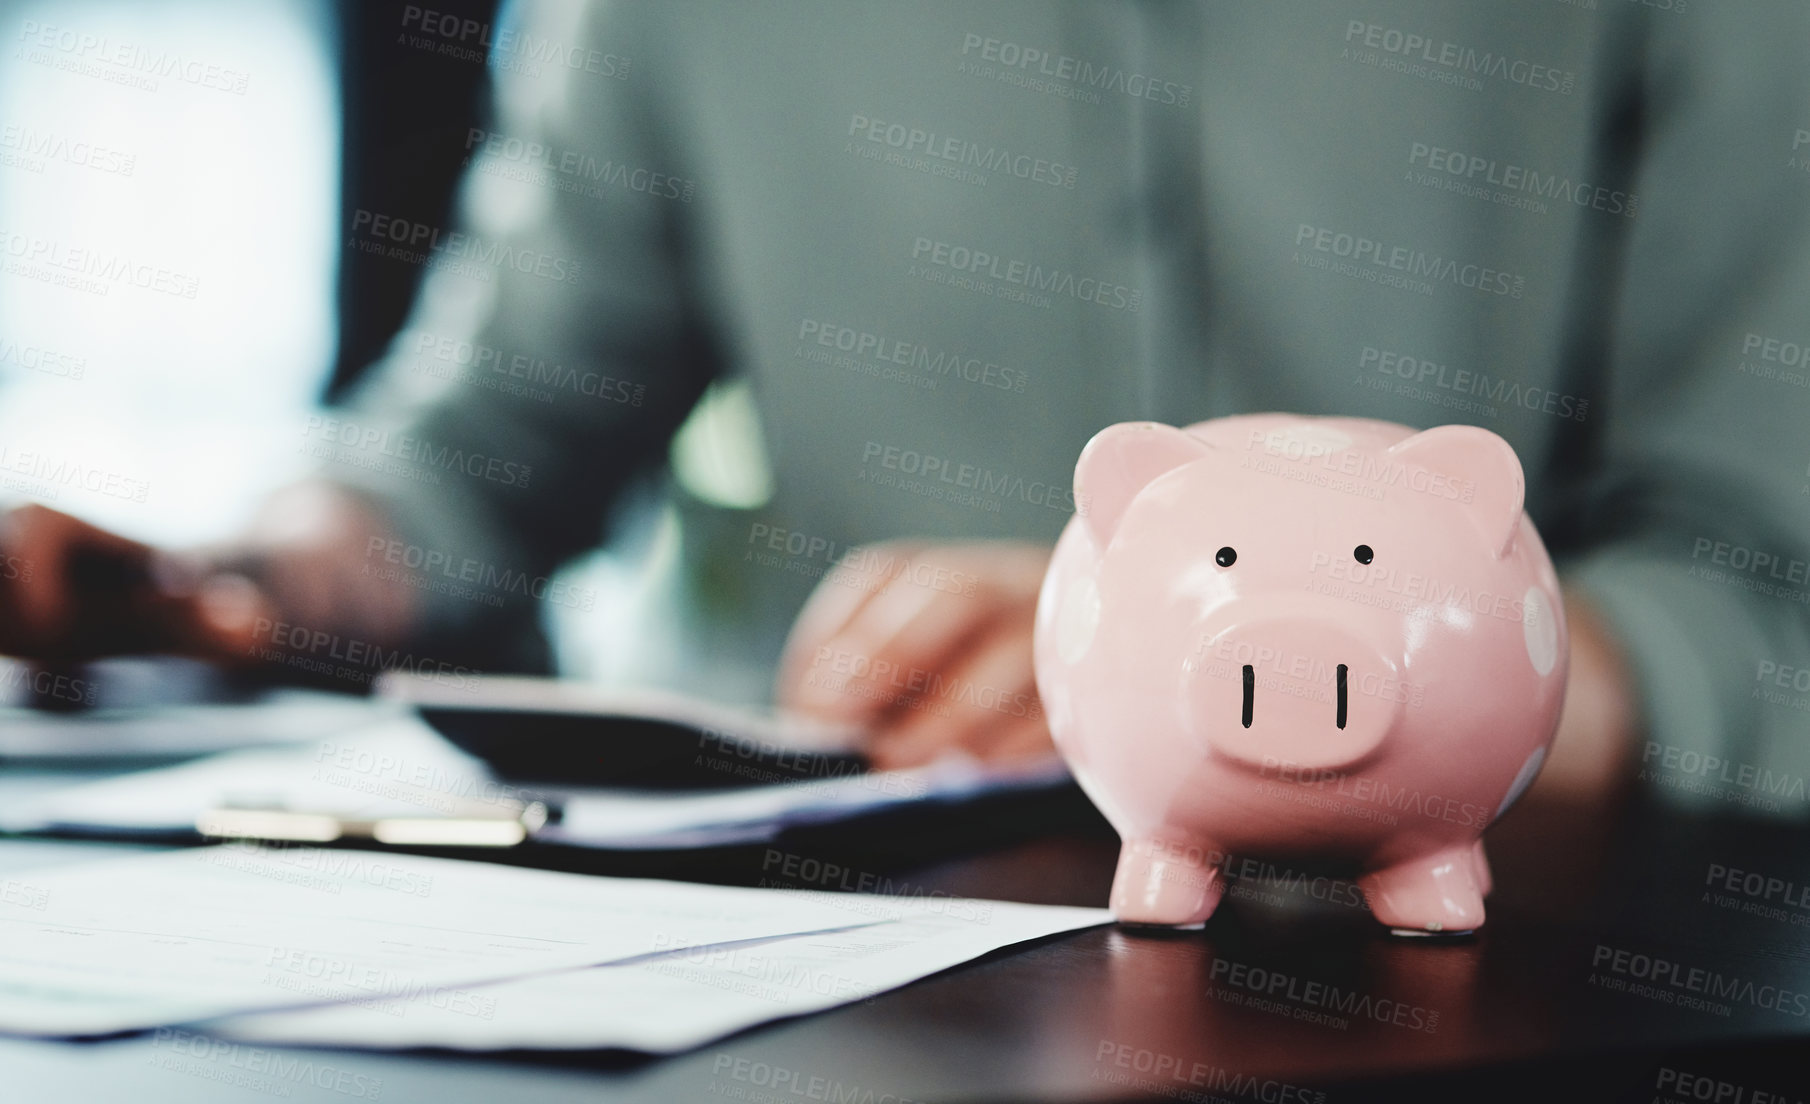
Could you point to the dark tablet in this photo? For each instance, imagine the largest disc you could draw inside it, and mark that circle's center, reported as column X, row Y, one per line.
column 601, row 748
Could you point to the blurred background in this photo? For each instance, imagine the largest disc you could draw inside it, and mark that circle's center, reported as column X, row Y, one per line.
column 282, row 117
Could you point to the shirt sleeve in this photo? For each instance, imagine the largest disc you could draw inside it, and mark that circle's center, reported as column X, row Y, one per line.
column 558, row 341
column 1699, row 546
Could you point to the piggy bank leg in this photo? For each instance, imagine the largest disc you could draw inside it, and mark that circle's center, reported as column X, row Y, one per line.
column 1481, row 872
column 1435, row 893
column 1162, row 882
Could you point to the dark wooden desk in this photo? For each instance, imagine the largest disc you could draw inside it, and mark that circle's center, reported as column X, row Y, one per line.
column 1291, row 992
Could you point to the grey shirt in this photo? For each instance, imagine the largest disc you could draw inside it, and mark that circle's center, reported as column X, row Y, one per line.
column 937, row 246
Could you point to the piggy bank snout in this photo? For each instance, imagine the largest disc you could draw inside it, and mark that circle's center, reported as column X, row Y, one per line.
column 1292, row 692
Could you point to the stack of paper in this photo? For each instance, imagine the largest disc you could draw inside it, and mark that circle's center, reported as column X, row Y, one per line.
column 368, row 949
column 160, row 939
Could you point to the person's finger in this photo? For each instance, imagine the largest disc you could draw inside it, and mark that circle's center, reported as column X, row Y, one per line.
column 967, row 706
column 937, row 638
column 64, row 556
column 224, row 616
column 1022, row 730
column 900, row 640
column 1025, row 738
column 918, row 628
column 1009, row 739
column 303, row 568
column 1016, row 740
column 837, row 600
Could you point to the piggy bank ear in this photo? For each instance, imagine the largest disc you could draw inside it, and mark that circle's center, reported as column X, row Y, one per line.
column 1120, row 461
column 1484, row 474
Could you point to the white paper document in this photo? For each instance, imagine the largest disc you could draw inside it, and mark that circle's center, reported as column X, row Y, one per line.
column 177, row 730
column 402, row 768
column 181, row 936
column 395, row 766
column 685, row 999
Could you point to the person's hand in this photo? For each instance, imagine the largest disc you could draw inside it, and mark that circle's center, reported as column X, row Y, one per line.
column 1592, row 754
column 70, row 591
column 306, row 569
column 925, row 648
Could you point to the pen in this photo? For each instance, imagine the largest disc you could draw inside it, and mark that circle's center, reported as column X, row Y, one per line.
column 299, row 826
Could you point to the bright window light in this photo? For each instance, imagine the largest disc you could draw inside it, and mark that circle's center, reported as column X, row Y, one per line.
column 169, row 188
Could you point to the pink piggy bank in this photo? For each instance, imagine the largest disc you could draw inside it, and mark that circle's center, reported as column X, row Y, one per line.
column 1294, row 637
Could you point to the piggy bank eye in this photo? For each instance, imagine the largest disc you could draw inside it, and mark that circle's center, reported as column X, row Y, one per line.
column 1226, row 556
column 1363, row 554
